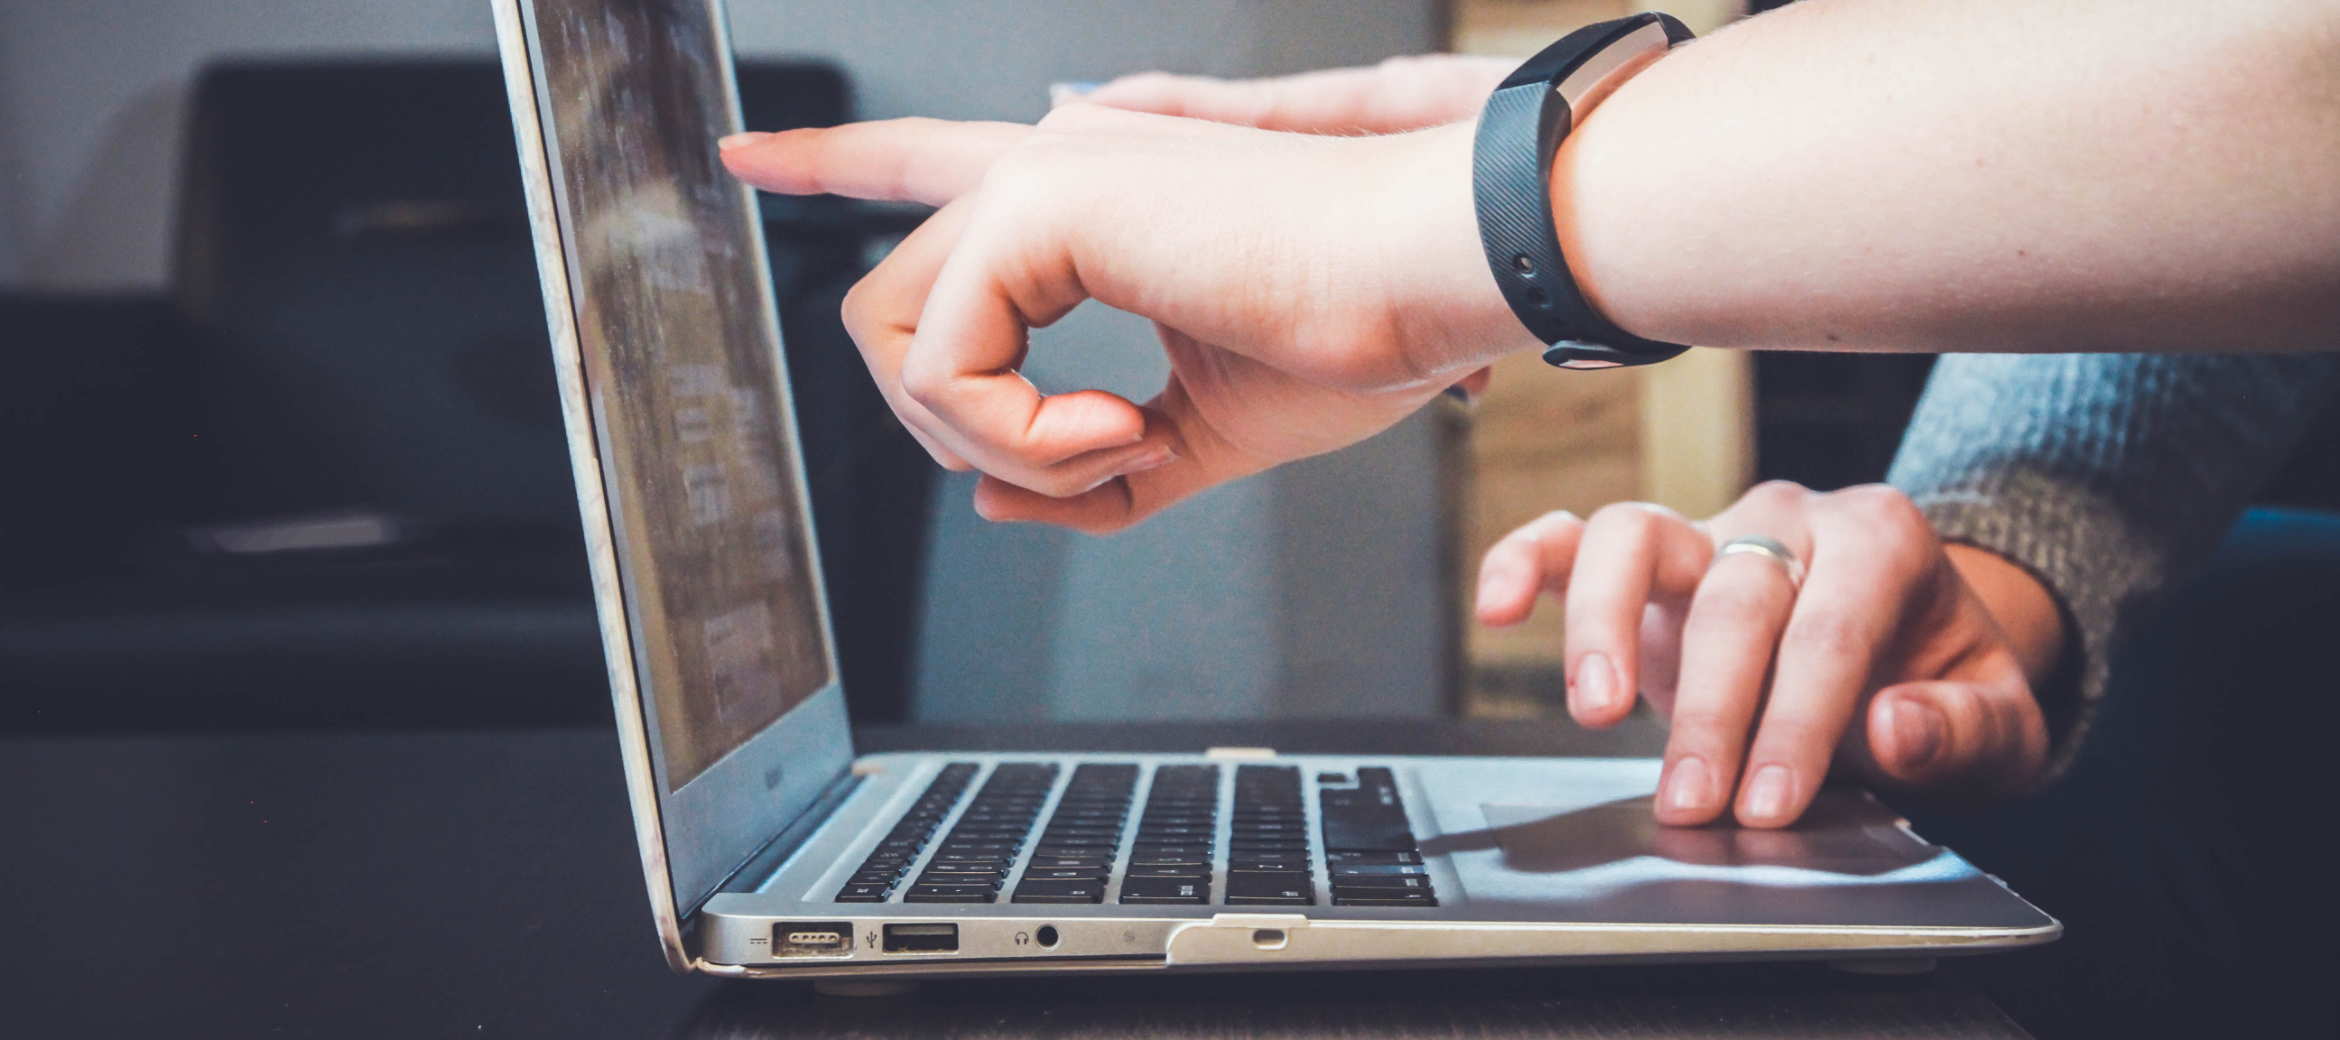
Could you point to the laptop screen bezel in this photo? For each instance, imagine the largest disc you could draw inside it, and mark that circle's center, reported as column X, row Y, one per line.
column 692, row 837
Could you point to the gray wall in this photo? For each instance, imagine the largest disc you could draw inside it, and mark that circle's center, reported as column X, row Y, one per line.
column 1312, row 590
column 90, row 90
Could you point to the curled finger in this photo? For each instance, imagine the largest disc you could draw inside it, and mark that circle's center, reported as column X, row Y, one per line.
column 1534, row 559
column 1630, row 556
column 1012, row 270
column 881, row 316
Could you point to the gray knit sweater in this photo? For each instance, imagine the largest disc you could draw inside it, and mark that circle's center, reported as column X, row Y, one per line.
column 2109, row 476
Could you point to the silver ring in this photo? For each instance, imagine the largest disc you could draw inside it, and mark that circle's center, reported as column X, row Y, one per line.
column 1768, row 548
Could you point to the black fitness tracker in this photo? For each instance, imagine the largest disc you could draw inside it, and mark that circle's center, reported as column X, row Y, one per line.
column 1511, row 173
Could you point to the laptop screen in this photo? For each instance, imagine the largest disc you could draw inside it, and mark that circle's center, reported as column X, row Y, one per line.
column 674, row 320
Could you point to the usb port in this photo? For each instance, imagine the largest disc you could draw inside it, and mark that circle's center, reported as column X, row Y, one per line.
column 922, row 938
column 812, row 939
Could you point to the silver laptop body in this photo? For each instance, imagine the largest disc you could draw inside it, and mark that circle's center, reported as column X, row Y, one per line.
column 771, row 850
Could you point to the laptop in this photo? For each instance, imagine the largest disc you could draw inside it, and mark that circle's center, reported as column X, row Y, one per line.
column 771, row 850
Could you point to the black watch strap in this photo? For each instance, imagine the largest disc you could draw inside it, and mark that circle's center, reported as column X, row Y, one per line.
column 1519, row 132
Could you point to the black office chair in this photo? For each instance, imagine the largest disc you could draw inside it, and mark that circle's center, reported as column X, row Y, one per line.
column 379, row 527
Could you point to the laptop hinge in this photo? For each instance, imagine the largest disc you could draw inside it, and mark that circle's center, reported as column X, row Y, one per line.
column 766, row 861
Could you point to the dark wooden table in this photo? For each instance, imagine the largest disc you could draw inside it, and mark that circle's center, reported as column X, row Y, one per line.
column 484, row 884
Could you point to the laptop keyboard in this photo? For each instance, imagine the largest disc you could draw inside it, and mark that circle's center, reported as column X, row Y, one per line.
column 1267, row 842
column 1368, row 846
column 878, row 874
column 972, row 862
column 1174, row 838
column 1076, row 853
column 1369, row 851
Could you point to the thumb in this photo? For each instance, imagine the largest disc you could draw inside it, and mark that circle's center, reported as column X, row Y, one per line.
column 1972, row 737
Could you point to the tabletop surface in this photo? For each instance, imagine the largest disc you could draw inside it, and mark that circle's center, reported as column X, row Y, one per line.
column 484, row 884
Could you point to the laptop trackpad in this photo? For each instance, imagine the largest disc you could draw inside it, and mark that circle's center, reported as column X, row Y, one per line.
column 1842, row 834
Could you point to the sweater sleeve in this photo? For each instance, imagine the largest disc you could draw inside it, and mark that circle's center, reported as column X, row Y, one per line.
column 2108, row 476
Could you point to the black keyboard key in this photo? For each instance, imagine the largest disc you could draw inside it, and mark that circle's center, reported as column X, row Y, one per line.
column 1270, row 827
column 951, row 894
column 1151, row 859
column 1149, row 830
column 1349, row 870
column 1391, row 882
column 1294, row 851
column 1269, row 850
column 1173, row 848
column 970, row 858
column 1370, row 818
column 1381, row 897
column 1366, row 829
column 1184, row 870
column 1072, row 862
column 864, row 893
column 949, row 876
column 1075, row 851
column 1165, row 890
column 875, row 877
column 1253, row 866
column 1066, row 874
column 1283, row 888
column 1085, row 890
column 1366, row 858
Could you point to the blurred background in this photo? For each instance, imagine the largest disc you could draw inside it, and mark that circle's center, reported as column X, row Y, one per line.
column 279, row 447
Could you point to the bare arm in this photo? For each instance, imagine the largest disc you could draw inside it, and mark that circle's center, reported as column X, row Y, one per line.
column 1973, row 175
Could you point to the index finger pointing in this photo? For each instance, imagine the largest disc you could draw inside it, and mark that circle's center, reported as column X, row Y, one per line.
column 930, row 161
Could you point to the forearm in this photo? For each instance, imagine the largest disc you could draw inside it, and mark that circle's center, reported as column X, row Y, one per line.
column 1973, row 175
column 2103, row 476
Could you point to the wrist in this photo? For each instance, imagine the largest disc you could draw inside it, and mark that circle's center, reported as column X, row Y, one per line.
column 2026, row 612
column 1433, row 269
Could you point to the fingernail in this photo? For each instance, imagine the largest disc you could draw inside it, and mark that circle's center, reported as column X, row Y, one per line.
column 1917, row 730
column 1070, row 91
column 1768, row 791
column 736, row 140
column 1161, row 456
column 1596, row 684
column 1687, row 785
